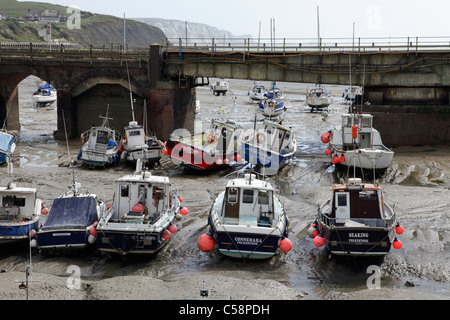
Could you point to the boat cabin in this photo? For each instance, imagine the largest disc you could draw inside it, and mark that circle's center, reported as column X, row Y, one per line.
column 357, row 202
column 367, row 137
column 139, row 200
column 248, row 201
column 17, row 204
column 135, row 135
column 275, row 137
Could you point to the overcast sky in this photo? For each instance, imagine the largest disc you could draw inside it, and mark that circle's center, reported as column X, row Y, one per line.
column 293, row 18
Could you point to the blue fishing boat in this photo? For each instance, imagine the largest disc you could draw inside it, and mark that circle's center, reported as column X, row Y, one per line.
column 270, row 147
column 247, row 221
column 142, row 217
column 71, row 220
column 20, row 208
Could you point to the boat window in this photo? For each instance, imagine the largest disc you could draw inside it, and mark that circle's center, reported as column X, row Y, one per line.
column 247, row 196
column 134, row 133
column 13, row 201
column 102, row 137
column 124, row 190
column 342, row 200
column 368, row 195
column 263, row 197
column 232, row 195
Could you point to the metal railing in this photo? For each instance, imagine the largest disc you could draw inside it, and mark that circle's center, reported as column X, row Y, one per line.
column 294, row 45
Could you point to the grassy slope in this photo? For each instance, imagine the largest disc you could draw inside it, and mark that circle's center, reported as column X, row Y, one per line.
column 94, row 27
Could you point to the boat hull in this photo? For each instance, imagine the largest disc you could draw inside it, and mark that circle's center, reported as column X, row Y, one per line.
column 97, row 159
column 129, row 242
column 152, row 155
column 62, row 238
column 247, row 245
column 368, row 159
column 12, row 232
column 195, row 158
column 358, row 241
column 318, row 102
column 267, row 159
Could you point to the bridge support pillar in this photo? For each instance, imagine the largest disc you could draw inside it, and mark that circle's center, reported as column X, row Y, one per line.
column 67, row 115
column 170, row 107
column 9, row 107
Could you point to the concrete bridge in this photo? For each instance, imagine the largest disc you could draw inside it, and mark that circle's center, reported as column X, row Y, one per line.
column 406, row 80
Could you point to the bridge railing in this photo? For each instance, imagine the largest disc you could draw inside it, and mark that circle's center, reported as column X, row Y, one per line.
column 291, row 45
column 93, row 53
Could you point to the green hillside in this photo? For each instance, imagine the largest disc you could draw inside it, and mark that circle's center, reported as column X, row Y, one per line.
column 95, row 28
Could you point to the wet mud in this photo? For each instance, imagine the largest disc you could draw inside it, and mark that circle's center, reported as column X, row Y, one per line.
column 417, row 184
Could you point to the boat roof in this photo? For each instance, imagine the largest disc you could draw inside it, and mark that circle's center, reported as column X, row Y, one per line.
column 72, row 212
column 143, row 177
column 246, row 182
column 17, row 190
column 274, row 124
column 355, row 184
column 225, row 123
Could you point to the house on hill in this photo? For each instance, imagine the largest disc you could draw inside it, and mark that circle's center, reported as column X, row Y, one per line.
column 45, row 16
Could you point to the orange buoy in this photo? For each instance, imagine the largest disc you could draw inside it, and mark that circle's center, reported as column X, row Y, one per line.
column 238, row 158
column 399, row 229
column 138, row 207
column 172, row 228
column 166, row 235
column 354, row 131
column 44, row 210
column 286, row 245
column 180, row 199
column 335, row 160
column 326, row 137
column 328, row 152
column 205, row 242
column 319, row 240
column 164, row 151
column 93, row 232
column 184, row 211
column 397, row 244
column 341, row 158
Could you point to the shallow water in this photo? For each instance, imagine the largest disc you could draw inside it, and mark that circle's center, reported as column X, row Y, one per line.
column 417, row 183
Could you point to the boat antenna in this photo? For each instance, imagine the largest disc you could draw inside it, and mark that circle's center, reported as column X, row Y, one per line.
column 70, row 158
column 129, row 88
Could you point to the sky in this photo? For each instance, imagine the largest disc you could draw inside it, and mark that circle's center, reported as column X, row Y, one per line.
column 292, row 18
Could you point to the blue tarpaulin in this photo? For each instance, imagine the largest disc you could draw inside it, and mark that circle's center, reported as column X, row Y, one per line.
column 73, row 212
column 6, row 141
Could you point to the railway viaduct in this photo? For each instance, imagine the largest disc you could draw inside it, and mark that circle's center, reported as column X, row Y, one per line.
column 406, row 86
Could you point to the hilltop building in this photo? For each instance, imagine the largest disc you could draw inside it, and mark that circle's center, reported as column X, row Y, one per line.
column 45, row 16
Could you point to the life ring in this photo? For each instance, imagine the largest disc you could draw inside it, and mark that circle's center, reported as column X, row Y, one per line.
column 211, row 137
column 260, row 137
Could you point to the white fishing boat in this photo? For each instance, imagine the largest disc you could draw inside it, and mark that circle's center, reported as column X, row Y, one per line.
column 142, row 217
column 100, row 145
column 270, row 147
column 356, row 221
column 138, row 145
column 356, row 143
column 44, row 96
column 220, row 87
column 318, row 97
column 20, row 207
column 216, row 147
column 257, row 93
column 247, row 221
column 70, row 224
column 272, row 109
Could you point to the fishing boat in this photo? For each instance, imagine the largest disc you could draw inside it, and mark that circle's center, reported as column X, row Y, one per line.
column 71, row 220
column 357, row 144
column 220, row 87
column 6, row 136
column 356, row 221
column 247, row 221
column 44, row 96
column 20, row 208
column 318, row 97
column 142, row 217
column 257, row 93
column 275, row 93
column 138, row 145
column 272, row 109
column 100, row 145
column 270, row 147
column 216, row 147
column 351, row 92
